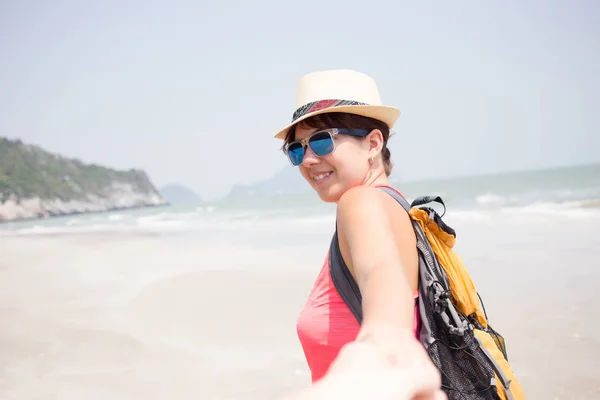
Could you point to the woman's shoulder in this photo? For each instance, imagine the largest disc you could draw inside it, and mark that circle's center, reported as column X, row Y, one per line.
column 368, row 200
column 361, row 195
column 368, row 210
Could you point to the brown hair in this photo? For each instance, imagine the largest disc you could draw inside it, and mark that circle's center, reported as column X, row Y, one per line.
column 348, row 121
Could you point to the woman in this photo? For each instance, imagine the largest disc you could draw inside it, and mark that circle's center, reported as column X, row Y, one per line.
column 338, row 140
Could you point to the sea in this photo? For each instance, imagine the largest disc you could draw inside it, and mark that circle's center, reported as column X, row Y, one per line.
column 573, row 191
column 201, row 301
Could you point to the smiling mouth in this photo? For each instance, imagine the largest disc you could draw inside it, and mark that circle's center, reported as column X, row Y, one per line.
column 321, row 177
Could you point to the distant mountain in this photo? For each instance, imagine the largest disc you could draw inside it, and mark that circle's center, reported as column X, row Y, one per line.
column 35, row 183
column 179, row 194
column 288, row 181
column 505, row 188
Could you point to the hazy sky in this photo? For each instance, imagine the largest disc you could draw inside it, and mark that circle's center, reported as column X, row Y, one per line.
column 193, row 91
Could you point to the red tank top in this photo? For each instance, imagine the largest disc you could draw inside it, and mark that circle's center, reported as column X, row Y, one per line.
column 326, row 324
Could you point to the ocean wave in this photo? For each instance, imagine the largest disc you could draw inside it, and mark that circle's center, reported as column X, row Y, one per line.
column 200, row 220
column 492, row 199
column 575, row 209
column 568, row 197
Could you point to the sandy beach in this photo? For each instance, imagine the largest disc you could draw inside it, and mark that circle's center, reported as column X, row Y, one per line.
column 172, row 316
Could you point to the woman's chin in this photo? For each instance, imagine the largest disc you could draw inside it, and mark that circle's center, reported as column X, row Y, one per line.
column 329, row 194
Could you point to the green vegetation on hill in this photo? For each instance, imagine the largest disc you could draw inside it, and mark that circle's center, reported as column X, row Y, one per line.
column 28, row 171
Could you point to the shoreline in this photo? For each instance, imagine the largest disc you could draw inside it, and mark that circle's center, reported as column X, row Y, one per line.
column 55, row 215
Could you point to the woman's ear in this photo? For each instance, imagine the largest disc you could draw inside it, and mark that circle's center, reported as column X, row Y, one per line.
column 375, row 142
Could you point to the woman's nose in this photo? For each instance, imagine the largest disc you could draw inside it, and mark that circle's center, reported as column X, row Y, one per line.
column 309, row 157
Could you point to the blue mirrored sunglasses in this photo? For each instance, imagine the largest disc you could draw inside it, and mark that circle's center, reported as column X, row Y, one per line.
column 321, row 143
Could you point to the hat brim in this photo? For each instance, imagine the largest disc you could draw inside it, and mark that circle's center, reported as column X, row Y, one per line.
column 387, row 114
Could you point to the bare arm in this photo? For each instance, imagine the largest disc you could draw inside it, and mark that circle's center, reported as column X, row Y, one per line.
column 379, row 255
column 386, row 362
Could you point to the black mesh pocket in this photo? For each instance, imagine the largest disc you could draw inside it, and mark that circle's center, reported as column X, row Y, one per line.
column 465, row 370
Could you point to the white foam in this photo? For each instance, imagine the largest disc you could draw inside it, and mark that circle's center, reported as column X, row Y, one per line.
column 571, row 209
column 118, row 217
column 491, row 199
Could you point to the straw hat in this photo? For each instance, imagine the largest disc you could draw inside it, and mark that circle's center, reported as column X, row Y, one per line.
column 339, row 91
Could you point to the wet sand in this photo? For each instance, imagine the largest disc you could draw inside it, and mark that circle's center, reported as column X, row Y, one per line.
column 125, row 316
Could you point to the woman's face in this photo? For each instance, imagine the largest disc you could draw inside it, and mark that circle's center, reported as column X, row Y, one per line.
column 347, row 166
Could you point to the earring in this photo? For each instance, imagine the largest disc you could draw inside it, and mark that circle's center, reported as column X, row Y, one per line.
column 371, row 160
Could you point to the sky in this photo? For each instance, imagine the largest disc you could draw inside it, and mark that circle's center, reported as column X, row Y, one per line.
column 193, row 92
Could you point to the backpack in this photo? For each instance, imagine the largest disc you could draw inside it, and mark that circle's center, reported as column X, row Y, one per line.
column 455, row 331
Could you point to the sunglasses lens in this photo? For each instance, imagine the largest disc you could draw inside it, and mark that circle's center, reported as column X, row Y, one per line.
column 321, row 144
column 296, row 153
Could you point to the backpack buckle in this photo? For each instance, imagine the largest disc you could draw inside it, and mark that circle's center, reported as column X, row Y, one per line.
column 431, row 215
column 445, row 305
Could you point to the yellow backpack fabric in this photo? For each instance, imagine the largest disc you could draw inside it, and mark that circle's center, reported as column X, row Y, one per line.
column 464, row 296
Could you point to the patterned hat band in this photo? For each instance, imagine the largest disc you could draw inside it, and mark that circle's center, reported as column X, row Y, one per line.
column 322, row 104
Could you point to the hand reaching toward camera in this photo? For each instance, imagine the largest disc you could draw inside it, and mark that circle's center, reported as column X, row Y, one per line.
column 369, row 371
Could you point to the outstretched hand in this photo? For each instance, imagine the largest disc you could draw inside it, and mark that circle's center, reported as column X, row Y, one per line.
column 365, row 370
column 368, row 371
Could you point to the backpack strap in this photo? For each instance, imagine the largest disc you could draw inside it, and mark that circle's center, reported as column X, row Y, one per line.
column 343, row 280
column 401, row 199
column 340, row 274
column 422, row 200
column 419, row 201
